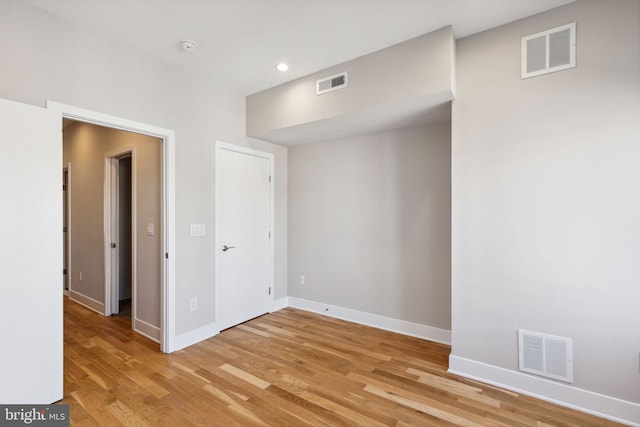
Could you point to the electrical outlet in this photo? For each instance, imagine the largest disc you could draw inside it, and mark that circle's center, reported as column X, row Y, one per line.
column 301, row 280
column 193, row 304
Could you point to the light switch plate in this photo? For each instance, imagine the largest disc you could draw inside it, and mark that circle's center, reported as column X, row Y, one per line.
column 197, row 230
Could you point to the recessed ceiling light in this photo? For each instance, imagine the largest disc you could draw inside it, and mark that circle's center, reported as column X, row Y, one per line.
column 188, row 45
column 282, row 67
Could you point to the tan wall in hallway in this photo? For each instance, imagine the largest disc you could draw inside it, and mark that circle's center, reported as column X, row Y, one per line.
column 85, row 146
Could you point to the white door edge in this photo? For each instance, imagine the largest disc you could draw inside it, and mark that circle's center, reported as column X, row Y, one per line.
column 32, row 313
column 110, row 229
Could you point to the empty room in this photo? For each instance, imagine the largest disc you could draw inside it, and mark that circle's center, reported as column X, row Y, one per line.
column 322, row 212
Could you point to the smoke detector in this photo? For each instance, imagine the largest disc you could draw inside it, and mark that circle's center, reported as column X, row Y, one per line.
column 188, row 45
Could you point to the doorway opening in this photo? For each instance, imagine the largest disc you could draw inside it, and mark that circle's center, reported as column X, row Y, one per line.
column 162, row 225
column 117, row 182
column 121, row 200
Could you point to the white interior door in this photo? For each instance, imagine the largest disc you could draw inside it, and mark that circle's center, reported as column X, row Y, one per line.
column 31, row 366
column 243, row 197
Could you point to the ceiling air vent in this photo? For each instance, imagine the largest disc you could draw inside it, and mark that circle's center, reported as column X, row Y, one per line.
column 332, row 83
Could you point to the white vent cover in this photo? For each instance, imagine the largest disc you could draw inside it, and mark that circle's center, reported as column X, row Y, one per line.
column 549, row 51
column 339, row 81
column 545, row 355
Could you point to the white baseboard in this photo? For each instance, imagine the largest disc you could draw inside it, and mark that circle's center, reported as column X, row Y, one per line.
column 194, row 337
column 88, row 302
column 208, row 331
column 600, row 405
column 279, row 304
column 425, row 332
column 148, row 330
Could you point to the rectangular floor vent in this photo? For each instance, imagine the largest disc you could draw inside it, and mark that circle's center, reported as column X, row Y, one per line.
column 546, row 355
column 339, row 81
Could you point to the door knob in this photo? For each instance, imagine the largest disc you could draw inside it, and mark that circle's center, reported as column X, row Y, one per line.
column 225, row 248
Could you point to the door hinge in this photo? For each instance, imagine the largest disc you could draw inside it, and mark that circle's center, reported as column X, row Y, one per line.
column 166, row 255
column 269, row 179
column 64, row 271
column 269, row 290
column 64, row 187
column 269, row 234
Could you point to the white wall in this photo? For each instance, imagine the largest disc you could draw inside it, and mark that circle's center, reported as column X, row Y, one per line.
column 369, row 223
column 46, row 57
column 546, row 235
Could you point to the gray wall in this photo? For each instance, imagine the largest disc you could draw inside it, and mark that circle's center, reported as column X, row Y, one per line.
column 546, row 235
column 369, row 223
column 85, row 146
column 417, row 72
column 52, row 58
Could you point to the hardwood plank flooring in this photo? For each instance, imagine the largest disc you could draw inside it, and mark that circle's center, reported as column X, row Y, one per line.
column 288, row 368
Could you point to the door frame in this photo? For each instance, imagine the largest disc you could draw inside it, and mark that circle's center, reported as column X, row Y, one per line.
column 111, row 229
column 219, row 146
column 168, row 281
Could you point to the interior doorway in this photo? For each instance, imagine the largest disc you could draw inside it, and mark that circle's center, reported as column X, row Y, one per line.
column 125, row 293
column 163, row 225
column 117, row 182
column 121, row 202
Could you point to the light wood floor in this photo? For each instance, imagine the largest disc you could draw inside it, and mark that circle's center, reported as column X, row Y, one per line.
column 289, row 368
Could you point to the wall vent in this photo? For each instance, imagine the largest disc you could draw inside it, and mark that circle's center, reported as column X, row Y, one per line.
column 549, row 51
column 545, row 355
column 329, row 84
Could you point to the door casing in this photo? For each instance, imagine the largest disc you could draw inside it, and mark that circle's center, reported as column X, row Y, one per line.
column 168, row 341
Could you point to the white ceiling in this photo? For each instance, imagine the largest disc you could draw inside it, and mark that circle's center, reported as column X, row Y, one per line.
column 240, row 41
